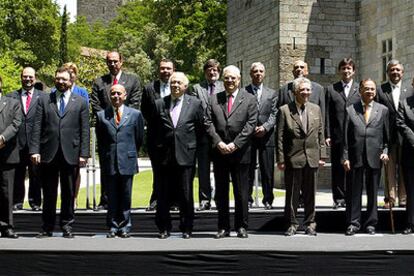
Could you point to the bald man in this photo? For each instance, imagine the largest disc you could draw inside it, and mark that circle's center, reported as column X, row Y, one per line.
column 120, row 130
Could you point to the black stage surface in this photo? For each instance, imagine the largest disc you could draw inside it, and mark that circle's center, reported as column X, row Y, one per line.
column 265, row 252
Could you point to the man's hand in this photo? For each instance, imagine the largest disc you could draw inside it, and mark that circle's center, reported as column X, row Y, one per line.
column 384, row 158
column 231, row 147
column 328, row 142
column 281, row 166
column 222, row 147
column 2, row 142
column 259, row 131
column 347, row 165
column 35, row 159
column 321, row 163
column 82, row 162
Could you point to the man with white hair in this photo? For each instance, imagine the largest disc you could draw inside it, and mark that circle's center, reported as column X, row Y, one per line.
column 231, row 121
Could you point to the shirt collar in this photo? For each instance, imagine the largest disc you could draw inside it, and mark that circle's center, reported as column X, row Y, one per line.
column 398, row 85
column 121, row 109
column 370, row 104
column 234, row 94
column 349, row 84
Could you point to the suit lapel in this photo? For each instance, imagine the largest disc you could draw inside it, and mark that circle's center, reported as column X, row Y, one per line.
column 373, row 114
column 290, row 92
column 353, row 91
column 184, row 109
column 222, row 102
column 360, row 112
column 109, row 116
column 69, row 105
column 125, row 116
column 33, row 102
column 53, row 102
column 340, row 89
column 167, row 107
column 295, row 115
column 3, row 103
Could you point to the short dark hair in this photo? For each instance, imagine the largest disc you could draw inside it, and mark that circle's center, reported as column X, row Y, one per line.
column 212, row 63
column 346, row 61
column 362, row 83
column 168, row 60
column 63, row 69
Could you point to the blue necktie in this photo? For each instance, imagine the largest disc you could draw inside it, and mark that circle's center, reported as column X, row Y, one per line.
column 62, row 104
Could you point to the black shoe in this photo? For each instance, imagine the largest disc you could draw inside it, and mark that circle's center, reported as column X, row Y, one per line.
column 351, row 230
column 101, row 207
column 222, row 234
column 67, row 234
column 291, row 231
column 9, row 233
column 242, row 233
column 111, row 235
column 18, row 207
column 310, row 231
column 204, row 206
column 163, row 235
column 370, row 230
column 152, row 206
column 44, row 234
column 186, row 235
column 36, row 208
column 268, row 206
column 174, row 208
column 408, row 230
column 124, row 235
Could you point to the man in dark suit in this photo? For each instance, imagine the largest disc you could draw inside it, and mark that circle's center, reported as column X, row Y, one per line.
column 365, row 146
column 100, row 99
column 231, row 120
column 155, row 90
column 405, row 124
column 263, row 136
column 390, row 94
column 60, row 143
column 339, row 96
column 203, row 90
column 10, row 120
column 300, row 151
column 180, row 119
column 286, row 93
column 28, row 97
column 120, row 130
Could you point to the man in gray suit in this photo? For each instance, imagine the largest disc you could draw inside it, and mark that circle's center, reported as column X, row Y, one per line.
column 300, row 151
column 263, row 136
column 180, row 120
column 100, row 99
column 10, row 120
column 60, row 144
column 28, row 97
column 119, row 130
column 365, row 148
column 390, row 94
column 203, row 90
column 231, row 121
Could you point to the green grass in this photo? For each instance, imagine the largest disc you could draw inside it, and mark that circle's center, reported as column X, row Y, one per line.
column 141, row 192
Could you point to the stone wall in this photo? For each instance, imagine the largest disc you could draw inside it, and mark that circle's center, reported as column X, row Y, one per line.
column 380, row 20
column 95, row 10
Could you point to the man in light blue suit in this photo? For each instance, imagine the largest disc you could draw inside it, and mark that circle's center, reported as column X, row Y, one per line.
column 120, row 132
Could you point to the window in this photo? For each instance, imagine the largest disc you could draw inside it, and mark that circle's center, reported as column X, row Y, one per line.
column 386, row 56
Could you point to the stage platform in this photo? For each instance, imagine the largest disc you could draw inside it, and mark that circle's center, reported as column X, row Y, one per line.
column 266, row 252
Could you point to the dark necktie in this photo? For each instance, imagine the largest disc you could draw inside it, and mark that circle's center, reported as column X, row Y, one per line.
column 304, row 118
column 62, row 104
column 212, row 88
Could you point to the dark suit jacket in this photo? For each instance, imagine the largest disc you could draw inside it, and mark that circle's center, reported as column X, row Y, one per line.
column 150, row 93
column 336, row 104
column 101, row 87
column 179, row 143
column 10, row 120
column 366, row 141
column 236, row 127
column 295, row 147
column 25, row 130
column 267, row 115
column 384, row 96
column 119, row 145
column 405, row 125
column 286, row 96
column 69, row 131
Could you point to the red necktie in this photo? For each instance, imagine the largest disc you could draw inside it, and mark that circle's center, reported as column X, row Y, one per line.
column 115, row 81
column 28, row 100
column 229, row 103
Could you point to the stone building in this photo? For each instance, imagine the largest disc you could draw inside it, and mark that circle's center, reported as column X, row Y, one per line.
column 98, row 10
column 277, row 32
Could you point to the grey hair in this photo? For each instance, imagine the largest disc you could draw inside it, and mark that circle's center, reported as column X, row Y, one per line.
column 394, row 62
column 256, row 64
column 182, row 75
column 298, row 81
column 232, row 68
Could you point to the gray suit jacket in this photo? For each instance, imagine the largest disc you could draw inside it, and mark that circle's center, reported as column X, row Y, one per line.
column 179, row 143
column 119, row 145
column 236, row 127
column 405, row 124
column 317, row 97
column 200, row 90
column 10, row 120
column 266, row 115
column 25, row 130
column 295, row 147
column 101, row 87
column 366, row 141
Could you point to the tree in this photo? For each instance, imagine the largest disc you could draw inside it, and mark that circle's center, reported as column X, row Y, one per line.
column 9, row 72
column 63, row 49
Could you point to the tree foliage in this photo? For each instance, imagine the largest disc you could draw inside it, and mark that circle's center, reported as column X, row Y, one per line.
column 63, row 45
column 10, row 73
